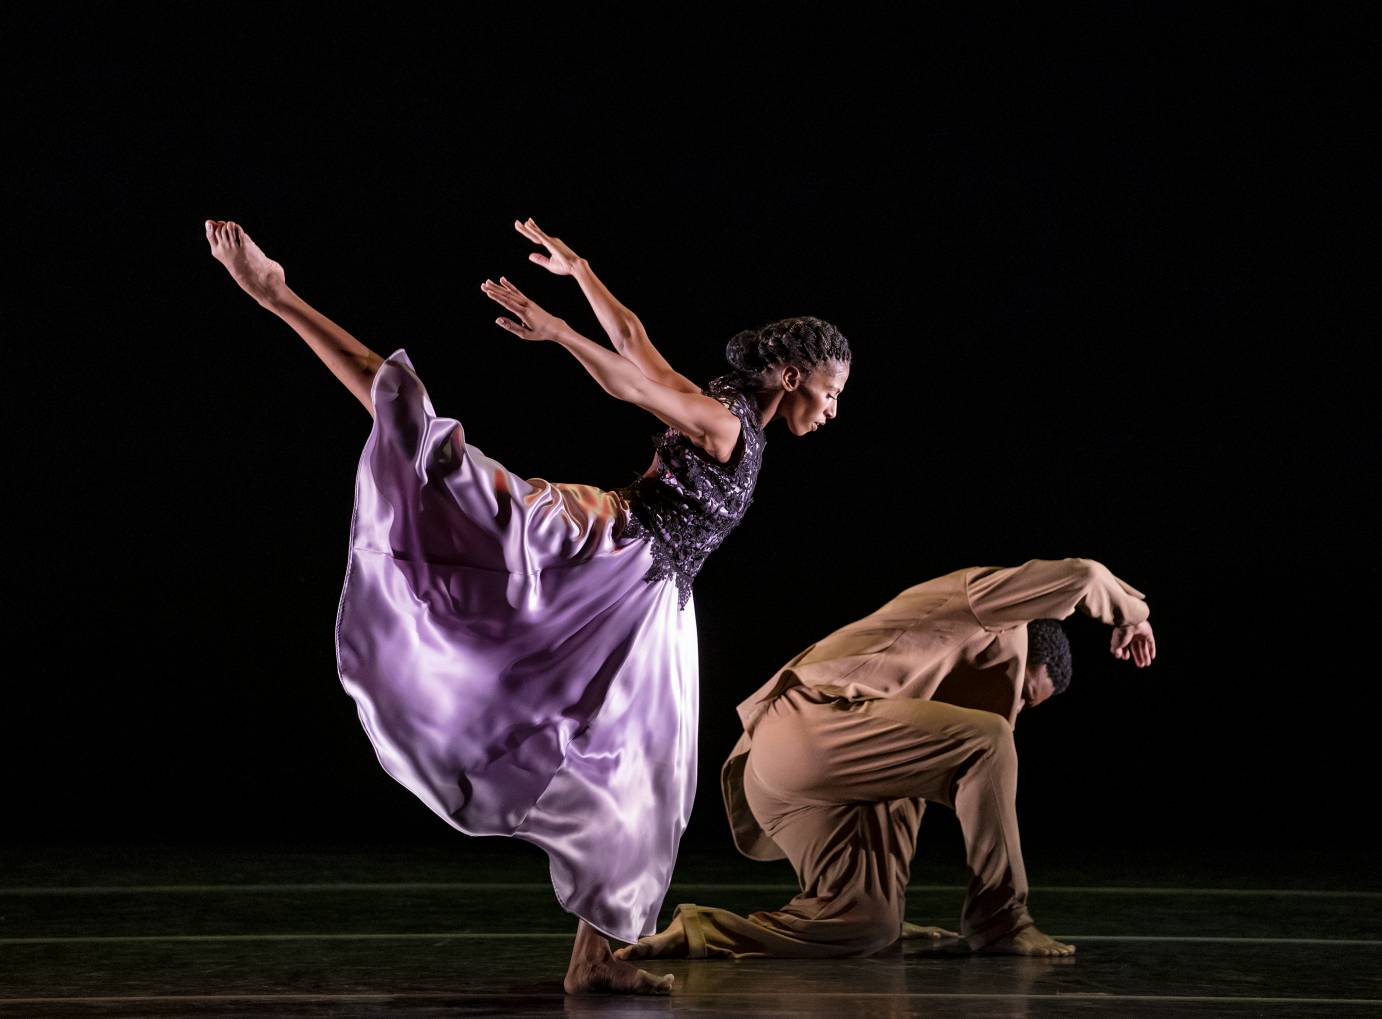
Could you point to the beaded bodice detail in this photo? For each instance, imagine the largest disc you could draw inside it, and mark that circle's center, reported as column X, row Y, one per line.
column 691, row 502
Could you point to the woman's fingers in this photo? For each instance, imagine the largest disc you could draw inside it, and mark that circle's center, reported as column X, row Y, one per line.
column 536, row 234
column 498, row 288
column 506, row 298
column 502, row 287
column 530, row 231
column 512, row 289
column 512, row 298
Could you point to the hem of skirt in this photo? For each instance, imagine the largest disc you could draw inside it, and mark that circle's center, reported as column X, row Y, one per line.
column 562, row 902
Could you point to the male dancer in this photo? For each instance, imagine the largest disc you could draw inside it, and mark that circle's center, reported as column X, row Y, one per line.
column 845, row 744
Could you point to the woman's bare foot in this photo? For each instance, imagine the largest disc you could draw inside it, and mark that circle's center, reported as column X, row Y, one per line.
column 258, row 275
column 669, row 943
column 614, row 977
column 1027, row 941
column 594, row 969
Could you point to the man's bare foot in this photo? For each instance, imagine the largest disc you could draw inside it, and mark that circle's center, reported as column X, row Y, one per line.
column 670, row 943
column 258, row 275
column 916, row 932
column 613, row 976
column 1027, row 941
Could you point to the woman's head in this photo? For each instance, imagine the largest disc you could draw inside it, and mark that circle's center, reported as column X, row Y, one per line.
column 805, row 357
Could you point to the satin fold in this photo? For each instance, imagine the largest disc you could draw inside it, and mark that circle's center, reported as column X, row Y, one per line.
column 511, row 666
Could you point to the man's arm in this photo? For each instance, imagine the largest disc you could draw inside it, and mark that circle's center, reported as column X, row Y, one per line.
column 1002, row 598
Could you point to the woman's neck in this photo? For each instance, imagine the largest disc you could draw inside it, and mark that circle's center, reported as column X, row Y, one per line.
column 767, row 401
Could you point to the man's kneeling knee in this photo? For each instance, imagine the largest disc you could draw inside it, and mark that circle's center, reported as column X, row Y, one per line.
column 875, row 926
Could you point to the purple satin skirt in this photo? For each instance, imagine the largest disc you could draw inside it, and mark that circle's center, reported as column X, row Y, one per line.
column 511, row 665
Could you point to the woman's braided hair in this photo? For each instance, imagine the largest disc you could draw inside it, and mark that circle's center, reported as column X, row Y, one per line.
column 804, row 341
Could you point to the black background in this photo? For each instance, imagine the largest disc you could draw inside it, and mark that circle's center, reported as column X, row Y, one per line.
column 1106, row 280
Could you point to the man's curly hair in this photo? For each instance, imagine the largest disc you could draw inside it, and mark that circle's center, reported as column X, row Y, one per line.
column 1047, row 645
column 804, row 341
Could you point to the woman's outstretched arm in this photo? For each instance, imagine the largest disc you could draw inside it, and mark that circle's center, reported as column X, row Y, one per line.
column 262, row 278
column 702, row 419
column 624, row 328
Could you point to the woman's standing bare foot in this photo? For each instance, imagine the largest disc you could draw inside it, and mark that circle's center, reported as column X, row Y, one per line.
column 594, row 969
column 258, row 275
column 1027, row 941
column 669, row 943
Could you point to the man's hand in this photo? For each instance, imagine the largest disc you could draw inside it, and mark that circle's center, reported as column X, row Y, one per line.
column 916, row 932
column 1135, row 643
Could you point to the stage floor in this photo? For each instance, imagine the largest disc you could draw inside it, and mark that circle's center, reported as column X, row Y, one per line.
column 219, row 932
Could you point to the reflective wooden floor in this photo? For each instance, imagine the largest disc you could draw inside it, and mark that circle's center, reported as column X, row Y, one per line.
column 397, row 933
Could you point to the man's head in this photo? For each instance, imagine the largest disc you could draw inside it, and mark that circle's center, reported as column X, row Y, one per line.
column 1048, row 662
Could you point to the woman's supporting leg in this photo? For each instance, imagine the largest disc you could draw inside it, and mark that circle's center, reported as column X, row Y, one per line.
column 594, row 968
column 263, row 279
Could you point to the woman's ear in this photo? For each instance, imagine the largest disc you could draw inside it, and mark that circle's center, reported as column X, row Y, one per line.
column 791, row 377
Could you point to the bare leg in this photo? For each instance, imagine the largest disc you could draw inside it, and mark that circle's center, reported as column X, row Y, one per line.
column 593, row 968
column 263, row 279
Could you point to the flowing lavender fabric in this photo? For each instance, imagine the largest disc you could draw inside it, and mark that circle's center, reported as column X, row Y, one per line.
column 511, row 665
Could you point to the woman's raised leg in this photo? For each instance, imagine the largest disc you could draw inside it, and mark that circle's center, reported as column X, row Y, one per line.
column 262, row 278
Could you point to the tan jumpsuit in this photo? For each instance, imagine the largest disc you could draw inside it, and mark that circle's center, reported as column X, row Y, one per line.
column 844, row 746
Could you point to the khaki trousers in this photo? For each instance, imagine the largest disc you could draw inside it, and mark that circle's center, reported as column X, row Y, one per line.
column 840, row 786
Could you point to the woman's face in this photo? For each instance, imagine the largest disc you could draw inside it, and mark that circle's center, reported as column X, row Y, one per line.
column 813, row 398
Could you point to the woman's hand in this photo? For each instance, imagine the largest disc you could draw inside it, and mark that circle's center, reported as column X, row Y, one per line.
column 560, row 260
column 536, row 324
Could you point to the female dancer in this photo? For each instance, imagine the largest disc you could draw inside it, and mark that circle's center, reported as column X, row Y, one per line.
column 522, row 653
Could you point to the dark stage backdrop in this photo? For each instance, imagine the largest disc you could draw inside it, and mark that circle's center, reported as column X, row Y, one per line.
column 1105, row 284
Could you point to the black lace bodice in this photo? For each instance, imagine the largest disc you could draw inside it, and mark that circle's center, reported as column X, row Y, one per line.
column 692, row 501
